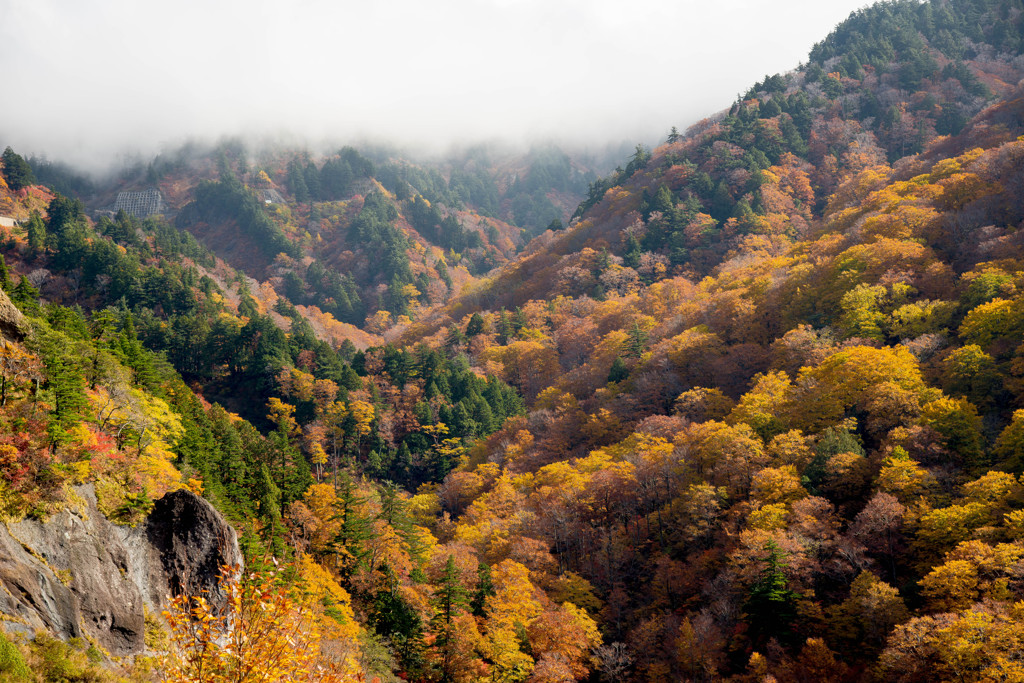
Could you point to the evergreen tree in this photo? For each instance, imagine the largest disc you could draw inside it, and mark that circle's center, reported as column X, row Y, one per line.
column 401, row 466
column 633, row 250
column 296, row 181
column 770, row 609
column 619, row 371
column 17, row 172
column 134, row 355
column 64, row 378
column 268, row 501
column 247, row 305
column 505, row 330
column 484, row 590
column 637, row 342
column 455, row 339
column 393, row 511
column 354, row 528
column 394, row 618
column 66, row 232
column 519, row 320
column 442, row 272
column 5, row 275
column 475, row 325
column 25, row 296
column 295, row 474
column 312, row 177
column 450, row 599
column 36, row 233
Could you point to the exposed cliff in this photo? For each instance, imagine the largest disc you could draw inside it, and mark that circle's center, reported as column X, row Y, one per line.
column 13, row 326
column 77, row 574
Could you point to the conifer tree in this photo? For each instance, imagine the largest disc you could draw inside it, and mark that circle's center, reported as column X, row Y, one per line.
column 475, row 325
column 770, row 608
column 450, row 599
column 17, row 172
column 401, row 466
column 393, row 511
column 484, row 590
column 25, row 296
column 519, row 320
column 354, row 528
column 5, row 276
column 64, row 379
column 505, row 331
column 637, row 343
column 36, row 233
column 633, row 250
column 619, row 371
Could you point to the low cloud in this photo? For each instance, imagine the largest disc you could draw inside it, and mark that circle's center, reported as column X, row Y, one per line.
column 88, row 81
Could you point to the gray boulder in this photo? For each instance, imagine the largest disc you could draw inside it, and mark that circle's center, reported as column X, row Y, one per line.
column 193, row 542
column 13, row 326
column 78, row 574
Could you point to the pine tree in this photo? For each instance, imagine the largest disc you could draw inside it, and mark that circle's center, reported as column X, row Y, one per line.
column 247, row 305
column 455, row 339
column 519, row 320
column 637, row 342
column 354, row 528
column 65, row 380
column 633, row 250
column 394, row 618
column 36, row 233
column 770, row 609
column 17, row 172
column 619, row 371
column 450, row 599
column 484, row 590
column 401, row 466
column 297, row 182
column 134, row 355
column 66, row 231
column 25, row 296
column 5, row 275
column 296, row 475
column 393, row 511
column 475, row 325
column 268, row 496
column 505, row 331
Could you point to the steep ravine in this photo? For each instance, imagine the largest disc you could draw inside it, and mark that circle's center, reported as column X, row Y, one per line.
column 77, row 574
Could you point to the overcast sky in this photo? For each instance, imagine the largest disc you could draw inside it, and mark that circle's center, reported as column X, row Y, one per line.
column 87, row 80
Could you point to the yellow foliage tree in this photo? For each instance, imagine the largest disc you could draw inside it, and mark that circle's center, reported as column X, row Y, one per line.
column 763, row 407
column 265, row 633
column 903, row 477
column 777, row 485
column 282, row 414
column 845, row 379
column 512, row 609
column 363, row 414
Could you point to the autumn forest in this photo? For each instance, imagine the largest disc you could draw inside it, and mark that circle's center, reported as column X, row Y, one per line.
column 748, row 407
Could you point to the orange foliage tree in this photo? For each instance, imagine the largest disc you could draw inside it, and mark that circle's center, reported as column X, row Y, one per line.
column 265, row 632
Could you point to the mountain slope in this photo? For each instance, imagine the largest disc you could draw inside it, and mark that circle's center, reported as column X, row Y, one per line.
column 753, row 415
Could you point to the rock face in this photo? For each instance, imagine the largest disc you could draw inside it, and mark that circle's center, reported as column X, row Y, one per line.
column 13, row 325
column 193, row 542
column 77, row 574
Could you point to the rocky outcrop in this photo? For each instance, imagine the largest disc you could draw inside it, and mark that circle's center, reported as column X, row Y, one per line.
column 32, row 596
column 193, row 543
column 78, row 574
column 13, row 326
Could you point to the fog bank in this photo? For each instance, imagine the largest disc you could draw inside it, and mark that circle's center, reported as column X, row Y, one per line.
column 89, row 81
